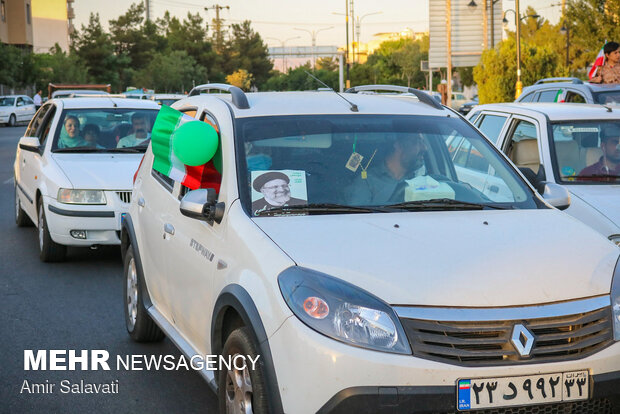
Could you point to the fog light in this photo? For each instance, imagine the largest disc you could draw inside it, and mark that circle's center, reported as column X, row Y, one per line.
column 78, row 234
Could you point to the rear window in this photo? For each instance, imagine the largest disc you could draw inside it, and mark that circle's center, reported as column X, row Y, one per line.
column 603, row 98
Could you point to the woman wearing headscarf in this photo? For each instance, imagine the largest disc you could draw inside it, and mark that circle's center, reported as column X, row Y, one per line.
column 71, row 137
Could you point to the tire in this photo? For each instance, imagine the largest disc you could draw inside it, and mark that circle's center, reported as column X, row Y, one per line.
column 49, row 250
column 21, row 218
column 139, row 324
column 12, row 120
column 242, row 391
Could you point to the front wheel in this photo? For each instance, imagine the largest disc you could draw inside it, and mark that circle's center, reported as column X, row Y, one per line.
column 49, row 250
column 139, row 324
column 242, row 390
column 12, row 120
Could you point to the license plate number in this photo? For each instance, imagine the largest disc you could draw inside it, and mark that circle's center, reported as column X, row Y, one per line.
column 525, row 390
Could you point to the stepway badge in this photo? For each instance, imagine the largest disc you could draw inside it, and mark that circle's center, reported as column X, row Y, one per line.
column 464, row 395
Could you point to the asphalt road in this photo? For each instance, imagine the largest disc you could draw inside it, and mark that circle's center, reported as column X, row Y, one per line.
column 76, row 305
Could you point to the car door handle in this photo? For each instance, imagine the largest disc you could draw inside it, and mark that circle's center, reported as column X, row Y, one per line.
column 169, row 228
column 141, row 202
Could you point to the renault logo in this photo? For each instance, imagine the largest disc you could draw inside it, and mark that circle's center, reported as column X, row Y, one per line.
column 522, row 339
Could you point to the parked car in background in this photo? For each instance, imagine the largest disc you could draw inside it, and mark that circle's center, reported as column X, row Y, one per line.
column 70, row 93
column 458, row 99
column 469, row 105
column 363, row 288
column 15, row 109
column 167, row 98
column 70, row 177
column 555, row 143
column 570, row 90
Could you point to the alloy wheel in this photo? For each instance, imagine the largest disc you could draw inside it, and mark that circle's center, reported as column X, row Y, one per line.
column 238, row 390
column 132, row 293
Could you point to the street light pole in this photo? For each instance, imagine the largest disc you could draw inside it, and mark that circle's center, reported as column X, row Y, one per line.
column 283, row 43
column 519, row 85
column 313, row 34
column 359, row 29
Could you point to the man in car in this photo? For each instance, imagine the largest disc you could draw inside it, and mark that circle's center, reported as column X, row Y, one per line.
column 274, row 186
column 140, row 132
column 385, row 181
column 608, row 166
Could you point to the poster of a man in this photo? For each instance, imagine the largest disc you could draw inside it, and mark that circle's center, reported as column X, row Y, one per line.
column 276, row 191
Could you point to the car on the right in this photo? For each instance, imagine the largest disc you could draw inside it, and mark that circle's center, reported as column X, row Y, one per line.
column 563, row 144
column 570, row 90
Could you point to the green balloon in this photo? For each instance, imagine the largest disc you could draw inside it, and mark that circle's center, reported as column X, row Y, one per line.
column 194, row 143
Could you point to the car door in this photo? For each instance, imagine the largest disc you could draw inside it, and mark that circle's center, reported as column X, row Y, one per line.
column 30, row 170
column 522, row 144
column 29, row 108
column 201, row 246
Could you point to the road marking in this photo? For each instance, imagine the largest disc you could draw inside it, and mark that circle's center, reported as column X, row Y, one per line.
column 9, row 181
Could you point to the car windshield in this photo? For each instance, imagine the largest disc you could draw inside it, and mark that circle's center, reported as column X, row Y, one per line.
column 5, row 101
column 371, row 163
column 607, row 98
column 587, row 152
column 104, row 130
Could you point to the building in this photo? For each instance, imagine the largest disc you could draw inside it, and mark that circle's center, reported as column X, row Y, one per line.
column 36, row 24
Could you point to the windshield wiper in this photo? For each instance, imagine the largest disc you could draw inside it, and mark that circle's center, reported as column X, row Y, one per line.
column 127, row 149
column 325, row 208
column 80, row 149
column 585, row 177
column 443, row 204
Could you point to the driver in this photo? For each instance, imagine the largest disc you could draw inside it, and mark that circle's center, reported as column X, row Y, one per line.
column 385, row 181
column 609, row 163
column 140, row 131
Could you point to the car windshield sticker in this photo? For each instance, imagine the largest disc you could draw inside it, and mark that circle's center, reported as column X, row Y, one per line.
column 278, row 188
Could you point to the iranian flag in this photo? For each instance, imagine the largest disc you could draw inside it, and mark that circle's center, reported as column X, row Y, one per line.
column 599, row 61
column 201, row 176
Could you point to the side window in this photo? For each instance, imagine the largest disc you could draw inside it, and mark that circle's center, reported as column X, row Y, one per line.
column 44, row 130
column 28, row 101
column 575, row 97
column 36, row 121
column 474, row 118
column 522, row 147
column 20, row 102
column 211, row 178
column 491, row 126
column 528, row 98
column 548, row 95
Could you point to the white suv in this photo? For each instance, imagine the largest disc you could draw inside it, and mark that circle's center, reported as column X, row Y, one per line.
column 366, row 272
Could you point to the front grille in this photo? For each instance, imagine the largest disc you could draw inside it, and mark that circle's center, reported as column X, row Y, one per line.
column 475, row 343
column 598, row 406
column 125, row 196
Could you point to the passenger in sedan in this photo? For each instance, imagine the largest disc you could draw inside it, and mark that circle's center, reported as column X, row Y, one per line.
column 385, row 181
column 608, row 166
column 140, row 131
column 91, row 135
column 71, row 137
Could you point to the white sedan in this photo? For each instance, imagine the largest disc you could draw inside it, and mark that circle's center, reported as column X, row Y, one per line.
column 72, row 178
column 16, row 108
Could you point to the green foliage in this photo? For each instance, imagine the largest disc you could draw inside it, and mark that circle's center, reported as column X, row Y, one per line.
column 59, row 67
column 496, row 74
column 246, row 50
column 467, row 75
column 173, row 71
column 10, row 65
column 298, row 80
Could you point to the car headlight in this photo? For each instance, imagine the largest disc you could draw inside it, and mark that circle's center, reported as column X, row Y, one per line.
column 342, row 311
column 616, row 239
column 69, row 196
column 615, row 301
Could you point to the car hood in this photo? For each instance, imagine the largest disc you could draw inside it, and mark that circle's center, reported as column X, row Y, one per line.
column 471, row 259
column 603, row 198
column 99, row 171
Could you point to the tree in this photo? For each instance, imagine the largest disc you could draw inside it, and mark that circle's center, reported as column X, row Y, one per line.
column 94, row 47
column 10, row 65
column 59, row 67
column 173, row 71
column 496, row 74
column 246, row 50
column 241, row 79
column 327, row 63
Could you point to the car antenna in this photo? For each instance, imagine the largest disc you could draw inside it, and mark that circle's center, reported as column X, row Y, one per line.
column 353, row 106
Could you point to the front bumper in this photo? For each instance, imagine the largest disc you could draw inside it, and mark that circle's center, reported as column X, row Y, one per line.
column 4, row 118
column 318, row 374
column 102, row 223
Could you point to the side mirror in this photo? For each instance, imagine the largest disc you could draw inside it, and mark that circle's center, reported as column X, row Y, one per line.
column 201, row 204
column 555, row 194
column 30, row 144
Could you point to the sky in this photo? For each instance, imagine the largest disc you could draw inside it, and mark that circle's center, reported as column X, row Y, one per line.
column 277, row 21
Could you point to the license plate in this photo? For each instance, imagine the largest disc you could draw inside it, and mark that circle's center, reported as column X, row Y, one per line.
column 478, row 393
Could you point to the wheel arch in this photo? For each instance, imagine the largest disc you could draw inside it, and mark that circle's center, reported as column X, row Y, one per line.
column 234, row 308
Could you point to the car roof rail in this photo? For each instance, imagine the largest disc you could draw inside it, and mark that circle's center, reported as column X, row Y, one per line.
column 421, row 95
column 239, row 99
column 576, row 81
